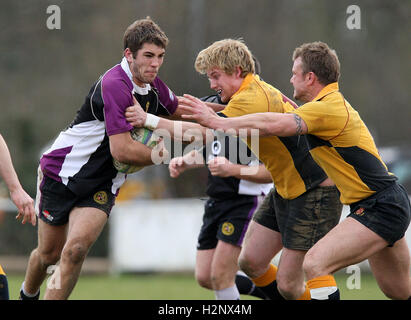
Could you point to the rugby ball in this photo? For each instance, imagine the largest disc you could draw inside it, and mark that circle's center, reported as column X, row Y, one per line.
column 146, row 137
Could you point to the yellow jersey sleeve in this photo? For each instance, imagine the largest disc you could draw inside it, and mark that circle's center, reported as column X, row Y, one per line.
column 322, row 119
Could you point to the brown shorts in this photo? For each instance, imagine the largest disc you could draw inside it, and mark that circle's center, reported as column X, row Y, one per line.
column 301, row 221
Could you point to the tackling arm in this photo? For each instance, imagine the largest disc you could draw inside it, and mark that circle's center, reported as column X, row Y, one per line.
column 267, row 123
column 178, row 130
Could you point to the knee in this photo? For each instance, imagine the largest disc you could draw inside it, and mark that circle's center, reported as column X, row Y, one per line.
column 249, row 266
column 74, row 252
column 395, row 295
column 203, row 280
column 221, row 279
column 312, row 266
column 289, row 288
column 47, row 257
column 396, row 292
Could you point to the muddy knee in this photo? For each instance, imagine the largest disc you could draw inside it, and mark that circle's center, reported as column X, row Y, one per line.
column 74, row 252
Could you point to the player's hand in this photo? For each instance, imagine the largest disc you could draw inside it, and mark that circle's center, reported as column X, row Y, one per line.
column 176, row 167
column 25, row 206
column 135, row 115
column 220, row 167
column 195, row 109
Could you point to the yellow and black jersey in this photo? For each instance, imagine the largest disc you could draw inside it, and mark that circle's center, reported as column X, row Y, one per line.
column 342, row 145
column 292, row 168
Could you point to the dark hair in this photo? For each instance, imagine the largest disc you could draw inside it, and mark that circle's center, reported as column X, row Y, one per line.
column 143, row 31
column 319, row 58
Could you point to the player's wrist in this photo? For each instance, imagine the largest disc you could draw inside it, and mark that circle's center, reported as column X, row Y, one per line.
column 151, row 121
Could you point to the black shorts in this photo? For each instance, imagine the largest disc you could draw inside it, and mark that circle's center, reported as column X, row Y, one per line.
column 387, row 213
column 226, row 220
column 54, row 201
column 301, row 221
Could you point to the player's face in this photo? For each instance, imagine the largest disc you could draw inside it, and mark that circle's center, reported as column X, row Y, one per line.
column 225, row 85
column 144, row 67
column 299, row 81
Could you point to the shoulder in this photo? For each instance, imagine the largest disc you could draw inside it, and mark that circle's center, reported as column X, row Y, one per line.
column 116, row 78
column 115, row 85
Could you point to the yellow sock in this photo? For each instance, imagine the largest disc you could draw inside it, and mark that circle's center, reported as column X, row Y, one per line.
column 268, row 277
column 306, row 295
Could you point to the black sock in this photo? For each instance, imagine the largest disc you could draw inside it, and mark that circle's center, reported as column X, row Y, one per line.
column 246, row 286
column 271, row 291
column 4, row 287
column 333, row 296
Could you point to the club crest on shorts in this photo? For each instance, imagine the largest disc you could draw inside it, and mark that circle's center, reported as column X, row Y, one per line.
column 359, row 212
column 227, row 228
column 100, row 197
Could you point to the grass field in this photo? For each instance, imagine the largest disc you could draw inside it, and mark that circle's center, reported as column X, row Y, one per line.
column 174, row 287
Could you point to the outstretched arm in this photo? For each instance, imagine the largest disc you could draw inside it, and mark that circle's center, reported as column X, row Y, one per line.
column 222, row 167
column 177, row 115
column 21, row 199
column 178, row 130
column 267, row 123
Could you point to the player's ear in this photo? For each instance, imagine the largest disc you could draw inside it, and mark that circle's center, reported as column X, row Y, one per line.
column 128, row 54
column 311, row 77
column 238, row 71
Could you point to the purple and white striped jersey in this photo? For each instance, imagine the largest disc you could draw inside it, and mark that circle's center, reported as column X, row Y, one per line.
column 80, row 156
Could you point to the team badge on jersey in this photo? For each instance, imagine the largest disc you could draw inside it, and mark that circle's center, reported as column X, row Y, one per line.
column 227, row 228
column 100, row 197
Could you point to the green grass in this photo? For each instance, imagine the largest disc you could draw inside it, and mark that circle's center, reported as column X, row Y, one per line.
column 174, row 287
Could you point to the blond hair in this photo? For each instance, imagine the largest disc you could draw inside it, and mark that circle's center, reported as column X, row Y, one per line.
column 226, row 55
column 319, row 58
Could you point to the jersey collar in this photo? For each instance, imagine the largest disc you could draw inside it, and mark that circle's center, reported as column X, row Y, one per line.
column 248, row 78
column 330, row 88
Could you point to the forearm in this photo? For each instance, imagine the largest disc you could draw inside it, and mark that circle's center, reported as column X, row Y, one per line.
column 124, row 149
column 262, row 124
column 257, row 174
column 7, row 171
column 179, row 130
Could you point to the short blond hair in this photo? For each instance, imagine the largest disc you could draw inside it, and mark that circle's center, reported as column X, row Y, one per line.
column 226, row 55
